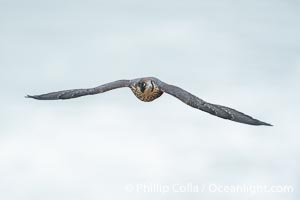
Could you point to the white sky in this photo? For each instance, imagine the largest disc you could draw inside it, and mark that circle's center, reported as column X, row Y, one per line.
column 245, row 55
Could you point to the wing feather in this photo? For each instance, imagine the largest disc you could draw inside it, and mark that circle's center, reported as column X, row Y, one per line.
column 214, row 109
column 69, row 94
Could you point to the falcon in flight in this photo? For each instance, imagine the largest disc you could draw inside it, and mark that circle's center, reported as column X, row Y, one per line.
column 150, row 88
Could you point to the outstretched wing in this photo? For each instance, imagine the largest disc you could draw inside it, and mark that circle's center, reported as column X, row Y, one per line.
column 217, row 110
column 68, row 94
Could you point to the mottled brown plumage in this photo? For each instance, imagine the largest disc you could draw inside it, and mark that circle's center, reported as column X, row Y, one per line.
column 146, row 90
column 150, row 88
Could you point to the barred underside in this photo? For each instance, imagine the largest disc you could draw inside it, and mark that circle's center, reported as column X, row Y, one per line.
column 147, row 95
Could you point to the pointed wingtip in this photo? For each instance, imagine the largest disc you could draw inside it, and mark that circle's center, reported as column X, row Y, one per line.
column 269, row 124
column 266, row 124
column 30, row 96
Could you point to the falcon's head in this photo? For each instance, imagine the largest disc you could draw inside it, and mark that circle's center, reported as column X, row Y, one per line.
column 146, row 90
column 145, row 86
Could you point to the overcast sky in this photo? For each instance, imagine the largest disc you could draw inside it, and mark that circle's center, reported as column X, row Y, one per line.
column 242, row 54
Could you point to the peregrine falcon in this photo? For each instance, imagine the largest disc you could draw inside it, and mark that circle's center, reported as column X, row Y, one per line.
column 148, row 89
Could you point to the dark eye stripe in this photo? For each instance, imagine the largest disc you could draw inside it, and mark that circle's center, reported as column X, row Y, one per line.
column 142, row 87
column 152, row 86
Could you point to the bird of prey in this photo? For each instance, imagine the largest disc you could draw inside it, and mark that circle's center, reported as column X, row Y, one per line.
column 148, row 89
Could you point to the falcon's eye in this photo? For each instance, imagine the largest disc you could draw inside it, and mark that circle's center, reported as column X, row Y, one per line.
column 144, row 84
